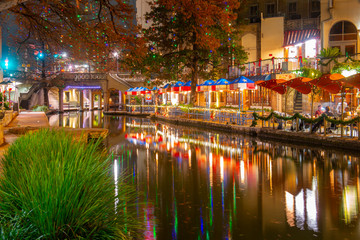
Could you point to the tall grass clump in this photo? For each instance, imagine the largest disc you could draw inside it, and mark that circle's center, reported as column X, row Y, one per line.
column 53, row 186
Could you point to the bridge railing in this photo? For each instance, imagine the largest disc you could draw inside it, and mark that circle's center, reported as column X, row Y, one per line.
column 83, row 76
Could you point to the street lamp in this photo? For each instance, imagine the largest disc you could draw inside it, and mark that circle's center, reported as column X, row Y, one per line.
column 116, row 54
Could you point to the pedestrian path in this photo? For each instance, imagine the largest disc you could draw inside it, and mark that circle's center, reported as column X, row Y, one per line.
column 29, row 119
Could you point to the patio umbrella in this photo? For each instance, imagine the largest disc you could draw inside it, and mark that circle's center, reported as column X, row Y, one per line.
column 222, row 84
column 164, row 88
column 208, row 85
column 176, row 87
column 127, row 92
column 299, row 85
column 143, row 90
column 242, row 83
column 186, row 87
column 273, row 84
column 353, row 80
column 326, row 83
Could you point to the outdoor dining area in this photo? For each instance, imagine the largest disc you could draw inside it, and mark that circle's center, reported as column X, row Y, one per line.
column 227, row 101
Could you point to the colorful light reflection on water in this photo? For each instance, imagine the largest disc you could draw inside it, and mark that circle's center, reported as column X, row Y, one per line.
column 201, row 185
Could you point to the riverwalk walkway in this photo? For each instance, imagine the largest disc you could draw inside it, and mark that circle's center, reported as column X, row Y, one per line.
column 268, row 133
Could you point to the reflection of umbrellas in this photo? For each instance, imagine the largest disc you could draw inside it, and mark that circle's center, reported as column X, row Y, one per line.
column 325, row 82
column 299, row 85
column 273, row 84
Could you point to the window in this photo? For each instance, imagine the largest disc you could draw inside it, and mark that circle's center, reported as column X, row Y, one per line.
column 292, row 8
column 292, row 11
column 343, row 35
column 254, row 11
column 270, row 9
column 254, row 14
column 315, row 8
column 343, row 31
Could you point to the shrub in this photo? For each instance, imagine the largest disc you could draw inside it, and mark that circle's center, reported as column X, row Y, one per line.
column 39, row 108
column 55, row 187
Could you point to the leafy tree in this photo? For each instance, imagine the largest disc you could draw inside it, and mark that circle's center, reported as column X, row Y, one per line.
column 86, row 30
column 191, row 38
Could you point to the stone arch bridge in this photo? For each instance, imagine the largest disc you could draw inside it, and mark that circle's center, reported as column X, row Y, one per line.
column 86, row 87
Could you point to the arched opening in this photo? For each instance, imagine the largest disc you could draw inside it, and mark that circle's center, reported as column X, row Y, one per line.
column 343, row 35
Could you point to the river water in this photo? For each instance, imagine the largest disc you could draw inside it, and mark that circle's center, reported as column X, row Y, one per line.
column 209, row 185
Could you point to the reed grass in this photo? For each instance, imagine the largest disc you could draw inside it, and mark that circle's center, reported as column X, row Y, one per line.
column 55, row 187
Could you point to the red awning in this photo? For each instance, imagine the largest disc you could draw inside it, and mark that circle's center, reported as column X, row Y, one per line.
column 353, row 80
column 300, row 36
column 273, row 84
column 299, row 85
column 325, row 82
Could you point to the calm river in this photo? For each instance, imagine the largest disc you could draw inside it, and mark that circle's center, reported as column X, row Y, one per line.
column 209, row 185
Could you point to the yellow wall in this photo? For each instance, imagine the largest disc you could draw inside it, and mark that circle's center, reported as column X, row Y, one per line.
column 272, row 37
column 343, row 10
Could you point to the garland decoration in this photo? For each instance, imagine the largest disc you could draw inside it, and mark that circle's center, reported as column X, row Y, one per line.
column 307, row 120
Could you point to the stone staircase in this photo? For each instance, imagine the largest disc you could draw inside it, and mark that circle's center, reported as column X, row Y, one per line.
column 298, row 103
column 26, row 97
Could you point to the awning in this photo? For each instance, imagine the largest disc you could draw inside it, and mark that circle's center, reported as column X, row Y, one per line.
column 299, row 85
column 242, row 83
column 186, row 87
column 353, row 80
column 222, row 84
column 274, row 85
column 300, row 36
column 176, row 86
column 164, row 88
column 206, row 86
column 260, row 77
column 325, row 82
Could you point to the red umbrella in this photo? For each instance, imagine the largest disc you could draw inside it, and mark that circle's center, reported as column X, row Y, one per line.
column 299, row 84
column 273, row 84
column 353, row 80
column 326, row 83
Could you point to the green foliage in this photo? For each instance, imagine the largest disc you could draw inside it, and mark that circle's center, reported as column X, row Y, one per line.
column 137, row 100
column 328, row 55
column 185, row 107
column 299, row 116
column 55, row 187
column 40, row 108
column 349, row 65
column 310, row 73
column 4, row 98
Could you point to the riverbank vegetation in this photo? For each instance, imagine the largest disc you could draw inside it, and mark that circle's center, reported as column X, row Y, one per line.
column 53, row 186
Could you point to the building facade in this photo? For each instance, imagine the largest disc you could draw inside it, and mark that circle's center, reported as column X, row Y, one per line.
column 340, row 21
